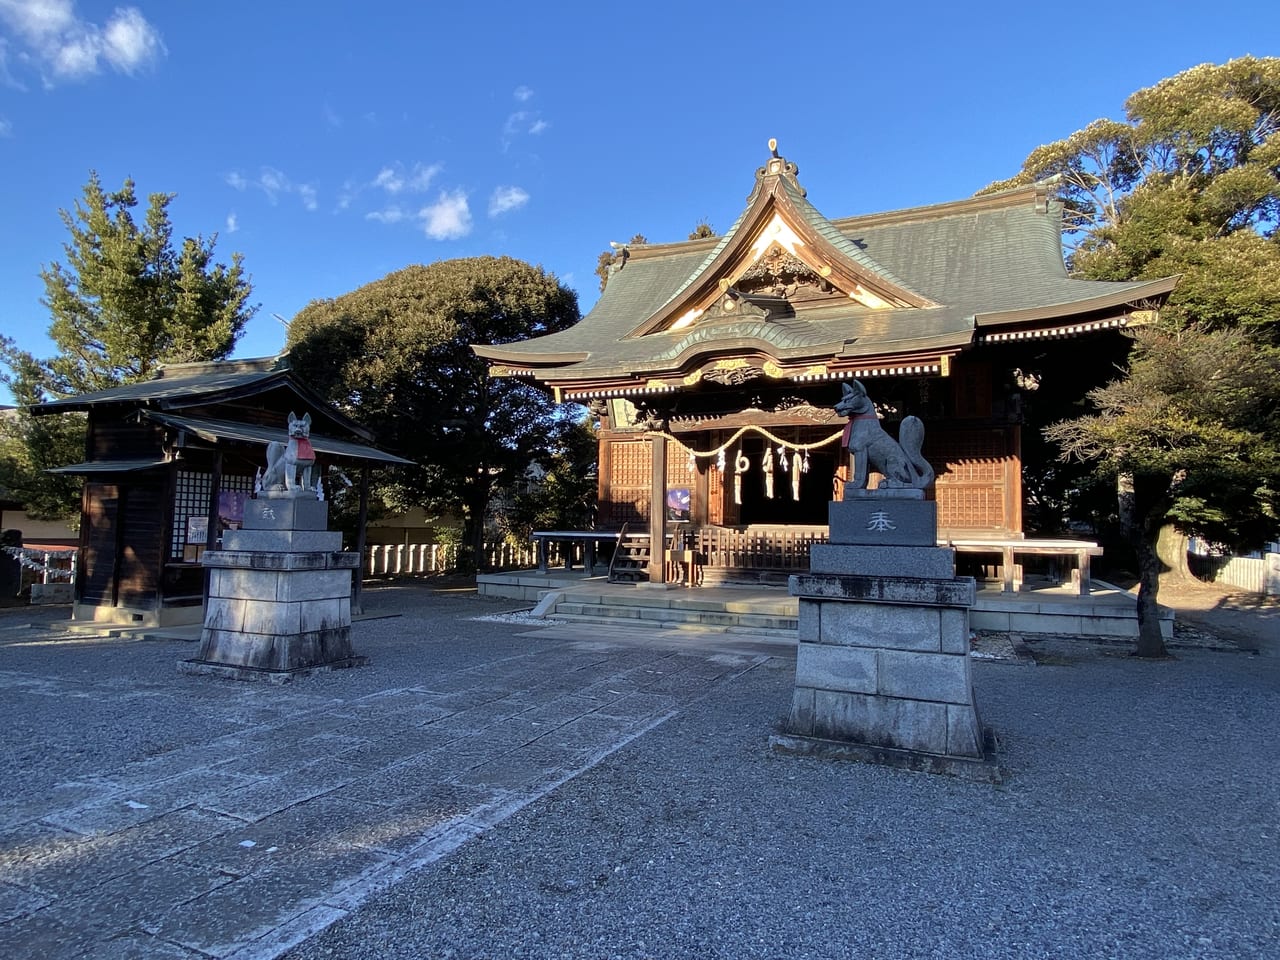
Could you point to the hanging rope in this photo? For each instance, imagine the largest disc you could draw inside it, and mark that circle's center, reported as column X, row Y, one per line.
column 802, row 447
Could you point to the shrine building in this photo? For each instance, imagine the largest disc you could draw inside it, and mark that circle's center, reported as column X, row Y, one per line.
column 713, row 364
column 169, row 464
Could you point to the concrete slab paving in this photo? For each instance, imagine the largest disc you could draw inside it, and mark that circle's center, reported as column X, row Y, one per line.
column 245, row 817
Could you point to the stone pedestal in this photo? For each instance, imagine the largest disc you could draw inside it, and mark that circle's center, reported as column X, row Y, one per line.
column 882, row 665
column 279, row 602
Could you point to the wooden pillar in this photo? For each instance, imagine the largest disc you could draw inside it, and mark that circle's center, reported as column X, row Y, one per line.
column 211, row 535
column 658, row 509
column 357, row 575
column 211, row 518
column 701, row 485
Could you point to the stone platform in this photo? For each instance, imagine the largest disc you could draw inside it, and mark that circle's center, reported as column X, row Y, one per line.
column 882, row 659
column 279, row 601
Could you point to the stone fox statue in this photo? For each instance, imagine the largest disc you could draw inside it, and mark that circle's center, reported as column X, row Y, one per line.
column 874, row 450
column 289, row 464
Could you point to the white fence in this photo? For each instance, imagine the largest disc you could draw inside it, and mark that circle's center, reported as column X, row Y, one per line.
column 1255, row 574
column 414, row 559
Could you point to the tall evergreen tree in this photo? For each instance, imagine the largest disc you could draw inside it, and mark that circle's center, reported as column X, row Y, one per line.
column 1188, row 184
column 125, row 301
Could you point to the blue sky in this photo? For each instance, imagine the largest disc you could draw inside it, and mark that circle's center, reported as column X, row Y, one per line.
column 333, row 143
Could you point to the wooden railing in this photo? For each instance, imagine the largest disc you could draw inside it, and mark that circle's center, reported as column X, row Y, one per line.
column 757, row 548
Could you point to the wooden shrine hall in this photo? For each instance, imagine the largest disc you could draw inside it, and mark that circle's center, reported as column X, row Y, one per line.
column 170, row 463
column 713, row 364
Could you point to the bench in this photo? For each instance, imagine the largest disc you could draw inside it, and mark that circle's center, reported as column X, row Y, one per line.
column 588, row 539
column 1008, row 550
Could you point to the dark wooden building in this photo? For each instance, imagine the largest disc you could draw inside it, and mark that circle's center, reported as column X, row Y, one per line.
column 169, row 464
column 713, row 364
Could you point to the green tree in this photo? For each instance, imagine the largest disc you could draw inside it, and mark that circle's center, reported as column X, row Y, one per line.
column 125, row 301
column 1188, row 184
column 1189, row 437
column 128, row 299
column 396, row 354
column 564, row 497
column 31, row 445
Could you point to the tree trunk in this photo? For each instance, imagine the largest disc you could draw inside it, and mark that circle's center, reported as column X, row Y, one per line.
column 471, row 550
column 1171, row 548
column 1150, row 641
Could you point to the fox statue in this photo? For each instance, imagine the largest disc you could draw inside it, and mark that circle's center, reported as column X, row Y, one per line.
column 289, row 463
column 898, row 461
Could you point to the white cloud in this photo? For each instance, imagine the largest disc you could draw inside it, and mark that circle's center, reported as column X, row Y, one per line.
column 396, row 179
column 332, row 117
column 505, row 199
column 519, row 123
column 233, row 224
column 522, row 93
column 6, row 128
column 275, row 184
column 391, row 214
column 129, row 42
column 59, row 41
column 448, row 218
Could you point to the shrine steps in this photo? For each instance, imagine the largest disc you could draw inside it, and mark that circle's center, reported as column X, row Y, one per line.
column 767, row 611
column 706, row 618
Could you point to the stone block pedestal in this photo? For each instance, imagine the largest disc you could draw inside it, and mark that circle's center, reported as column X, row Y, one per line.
column 279, row 601
column 882, row 664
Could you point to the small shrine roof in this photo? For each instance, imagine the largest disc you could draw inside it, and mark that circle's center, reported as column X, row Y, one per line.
column 183, row 385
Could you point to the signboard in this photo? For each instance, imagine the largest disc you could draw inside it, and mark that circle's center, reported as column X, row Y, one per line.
column 197, row 530
column 678, row 501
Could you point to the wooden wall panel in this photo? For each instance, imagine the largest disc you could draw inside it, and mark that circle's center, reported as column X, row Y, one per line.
column 977, row 479
column 625, row 472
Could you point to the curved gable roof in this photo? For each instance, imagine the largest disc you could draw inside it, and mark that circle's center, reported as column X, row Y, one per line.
column 948, row 269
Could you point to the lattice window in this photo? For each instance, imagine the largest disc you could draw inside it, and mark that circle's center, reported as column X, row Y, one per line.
column 190, row 499
column 631, row 471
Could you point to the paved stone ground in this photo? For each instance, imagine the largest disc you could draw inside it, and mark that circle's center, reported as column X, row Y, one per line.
column 488, row 790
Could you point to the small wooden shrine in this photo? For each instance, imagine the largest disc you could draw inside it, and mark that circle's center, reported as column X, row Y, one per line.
column 713, row 364
column 170, row 463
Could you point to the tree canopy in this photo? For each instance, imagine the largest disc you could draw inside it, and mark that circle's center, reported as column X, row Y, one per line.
column 396, row 354
column 126, row 300
column 1188, row 184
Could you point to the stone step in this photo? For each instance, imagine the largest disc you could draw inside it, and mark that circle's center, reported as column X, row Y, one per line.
column 675, row 616
column 707, row 615
column 679, row 628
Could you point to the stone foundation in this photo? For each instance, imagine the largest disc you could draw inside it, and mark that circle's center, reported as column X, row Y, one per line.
column 279, row 602
column 882, row 663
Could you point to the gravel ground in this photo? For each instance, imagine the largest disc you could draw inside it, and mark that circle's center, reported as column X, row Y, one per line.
column 1141, row 820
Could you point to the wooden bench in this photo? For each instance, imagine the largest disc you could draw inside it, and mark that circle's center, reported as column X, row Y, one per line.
column 588, row 539
column 1078, row 550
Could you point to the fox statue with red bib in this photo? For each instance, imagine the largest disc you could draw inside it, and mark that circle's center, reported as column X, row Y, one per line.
column 289, row 463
